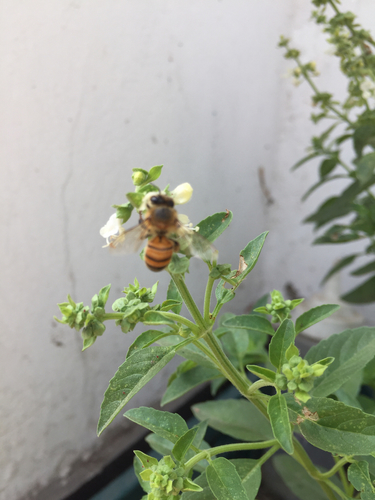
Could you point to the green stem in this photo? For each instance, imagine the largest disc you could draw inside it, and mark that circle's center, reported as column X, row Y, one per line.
column 335, row 488
column 344, row 480
column 337, row 467
column 302, row 457
column 228, row 370
column 217, row 450
column 207, row 299
column 207, row 352
column 180, row 319
column 316, row 91
column 189, row 301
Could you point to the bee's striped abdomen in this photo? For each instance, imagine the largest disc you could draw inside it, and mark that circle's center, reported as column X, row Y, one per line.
column 158, row 253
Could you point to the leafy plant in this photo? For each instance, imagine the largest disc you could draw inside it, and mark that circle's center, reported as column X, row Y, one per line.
column 304, row 395
column 348, row 215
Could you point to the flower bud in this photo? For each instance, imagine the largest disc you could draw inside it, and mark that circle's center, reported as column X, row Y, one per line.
column 139, row 176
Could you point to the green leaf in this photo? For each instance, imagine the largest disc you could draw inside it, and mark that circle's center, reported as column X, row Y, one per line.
column 314, row 315
column 298, row 480
column 365, row 167
column 250, row 322
column 145, row 339
column 304, row 160
column 131, row 376
column 135, row 199
column 333, row 426
column 338, row 206
column 320, row 183
column 352, row 350
column 363, row 136
column 154, row 173
column 156, row 318
column 179, row 265
column 167, row 425
column 249, row 256
column 201, row 432
column 189, row 351
column 183, row 444
column 247, row 469
column 169, row 305
column 280, row 343
column 327, row 166
column 212, row 227
column 138, row 468
column 359, row 476
column 368, row 268
column 237, row 418
column 346, row 261
column 145, row 460
column 174, row 294
column 186, row 381
column 263, row 373
column 224, row 481
column 363, row 294
column 278, row 412
column 222, row 294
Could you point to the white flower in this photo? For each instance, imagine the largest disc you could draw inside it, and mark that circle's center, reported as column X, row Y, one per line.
column 182, row 193
column 367, row 87
column 112, row 230
column 184, row 219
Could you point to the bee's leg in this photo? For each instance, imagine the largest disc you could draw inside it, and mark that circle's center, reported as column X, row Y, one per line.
column 176, row 247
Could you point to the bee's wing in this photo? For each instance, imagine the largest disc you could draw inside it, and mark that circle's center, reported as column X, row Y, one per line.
column 194, row 244
column 129, row 241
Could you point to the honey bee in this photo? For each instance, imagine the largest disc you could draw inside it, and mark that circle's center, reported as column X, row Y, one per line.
column 165, row 233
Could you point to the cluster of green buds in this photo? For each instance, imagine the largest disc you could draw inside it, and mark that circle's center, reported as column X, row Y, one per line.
column 134, row 305
column 166, row 479
column 81, row 317
column 298, row 376
column 279, row 309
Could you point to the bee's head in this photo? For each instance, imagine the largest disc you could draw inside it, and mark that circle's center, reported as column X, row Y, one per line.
column 161, row 200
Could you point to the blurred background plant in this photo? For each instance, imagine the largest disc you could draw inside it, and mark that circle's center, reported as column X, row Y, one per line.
column 350, row 214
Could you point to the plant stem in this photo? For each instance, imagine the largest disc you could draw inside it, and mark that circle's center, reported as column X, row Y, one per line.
column 228, row 370
column 316, row 91
column 335, row 468
column 229, row 448
column 189, row 301
column 344, row 480
column 207, row 299
column 302, row 458
column 180, row 319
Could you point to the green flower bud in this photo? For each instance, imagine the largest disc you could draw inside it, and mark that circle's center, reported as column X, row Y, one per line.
column 294, row 361
column 269, row 307
column 292, row 386
column 139, row 176
column 287, row 371
column 281, row 382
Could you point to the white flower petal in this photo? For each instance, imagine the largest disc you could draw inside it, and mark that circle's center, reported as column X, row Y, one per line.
column 184, row 219
column 182, row 193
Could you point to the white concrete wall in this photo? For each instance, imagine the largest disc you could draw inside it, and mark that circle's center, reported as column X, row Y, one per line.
column 89, row 90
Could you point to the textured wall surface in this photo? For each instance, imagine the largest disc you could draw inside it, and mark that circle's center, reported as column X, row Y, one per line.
column 89, row 90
